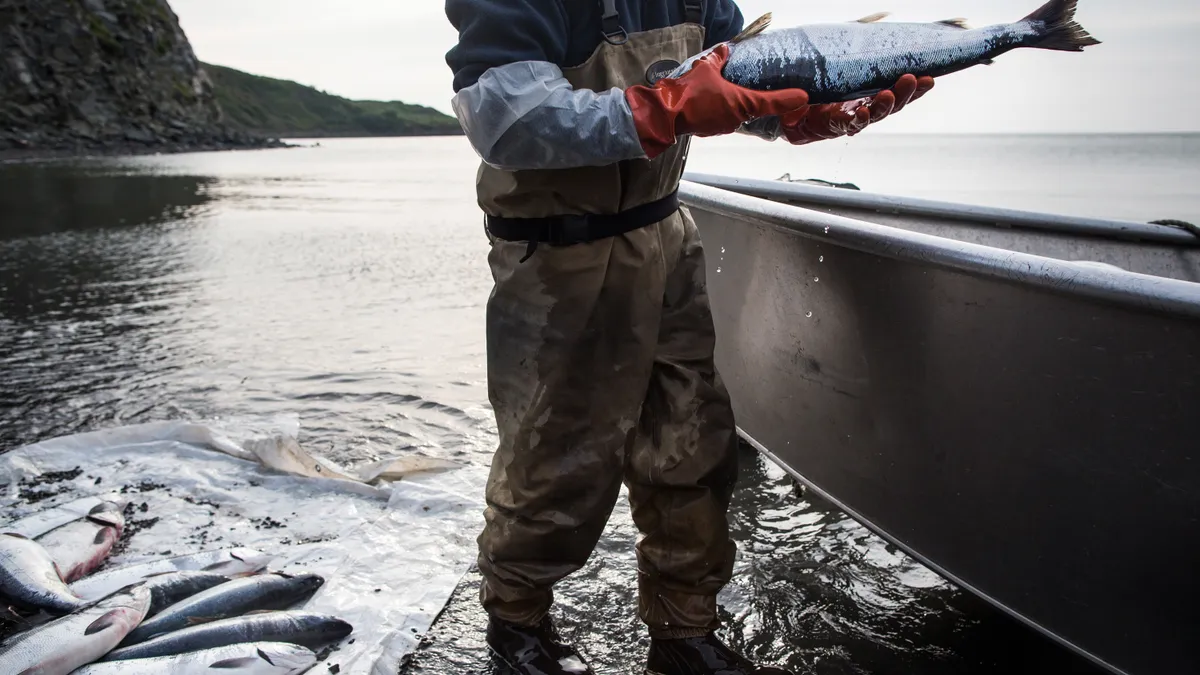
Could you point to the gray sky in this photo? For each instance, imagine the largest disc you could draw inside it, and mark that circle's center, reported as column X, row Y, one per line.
column 1143, row 78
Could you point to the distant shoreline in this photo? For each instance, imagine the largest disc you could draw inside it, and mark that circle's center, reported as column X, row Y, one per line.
column 20, row 155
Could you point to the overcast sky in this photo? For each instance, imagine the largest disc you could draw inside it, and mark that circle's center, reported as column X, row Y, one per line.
column 1143, row 78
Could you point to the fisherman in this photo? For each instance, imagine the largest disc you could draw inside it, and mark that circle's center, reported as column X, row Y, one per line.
column 599, row 336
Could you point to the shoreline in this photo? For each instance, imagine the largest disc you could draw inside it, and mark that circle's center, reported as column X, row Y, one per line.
column 32, row 154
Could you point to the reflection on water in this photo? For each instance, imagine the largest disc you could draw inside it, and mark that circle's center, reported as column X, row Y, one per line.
column 347, row 285
column 92, row 267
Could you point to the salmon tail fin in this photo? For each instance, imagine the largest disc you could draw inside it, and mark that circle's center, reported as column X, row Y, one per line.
column 1061, row 32
column 760, row 24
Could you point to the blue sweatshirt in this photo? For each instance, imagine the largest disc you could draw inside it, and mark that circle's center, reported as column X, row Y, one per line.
column 563, row 32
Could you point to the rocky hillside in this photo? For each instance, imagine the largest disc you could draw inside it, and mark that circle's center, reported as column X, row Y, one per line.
column 80, row 75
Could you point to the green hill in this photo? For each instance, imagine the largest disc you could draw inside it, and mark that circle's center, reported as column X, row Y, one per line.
column 282, row 109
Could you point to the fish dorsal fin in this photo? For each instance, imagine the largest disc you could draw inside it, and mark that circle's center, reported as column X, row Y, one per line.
column 872, row 18
column 760, row 24
column 956, row 23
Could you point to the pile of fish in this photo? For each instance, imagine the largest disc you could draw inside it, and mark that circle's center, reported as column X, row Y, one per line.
column 218, row 611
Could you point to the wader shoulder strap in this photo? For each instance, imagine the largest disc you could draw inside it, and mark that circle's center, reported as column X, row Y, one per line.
column 614, row 32
column 610, row 23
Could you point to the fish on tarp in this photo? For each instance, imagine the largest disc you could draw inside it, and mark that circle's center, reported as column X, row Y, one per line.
column 30, row 580
column 77, row 639
column 41, row 522
column 172, row 587
column 301, row 628
column 839, row 62
column 81, row 545
column 273, row 591
column 233, row 562
column 246, row 658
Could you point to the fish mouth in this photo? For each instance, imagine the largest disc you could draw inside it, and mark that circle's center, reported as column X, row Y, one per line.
column 336, row 629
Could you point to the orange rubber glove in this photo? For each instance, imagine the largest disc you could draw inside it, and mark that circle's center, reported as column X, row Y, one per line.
column 834, row 120
column 702, row 103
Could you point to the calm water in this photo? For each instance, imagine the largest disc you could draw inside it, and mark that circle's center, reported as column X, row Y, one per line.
column 347, row 284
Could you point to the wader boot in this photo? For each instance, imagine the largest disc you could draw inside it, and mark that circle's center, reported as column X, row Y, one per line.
column 705, row 655
column 600, row 371
column 534, row 651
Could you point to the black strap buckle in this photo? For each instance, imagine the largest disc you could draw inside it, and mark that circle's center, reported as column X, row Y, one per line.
column 570, row 229
column 693, row 11
column 610, row 22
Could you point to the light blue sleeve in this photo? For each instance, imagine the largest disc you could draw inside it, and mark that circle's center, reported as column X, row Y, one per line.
column 526, row 115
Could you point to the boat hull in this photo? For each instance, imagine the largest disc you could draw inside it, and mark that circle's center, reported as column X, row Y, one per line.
column 1027, row 427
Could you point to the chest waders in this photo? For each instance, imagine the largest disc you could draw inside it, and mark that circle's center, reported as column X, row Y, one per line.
column 600, row 369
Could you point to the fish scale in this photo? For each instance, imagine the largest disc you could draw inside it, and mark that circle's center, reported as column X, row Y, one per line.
column 234, row 598
column 846, row 61
column 229, row 562
column 62, row 645
column 80, row 546
column 247, row 658
column 29, row 578
column 302, row 628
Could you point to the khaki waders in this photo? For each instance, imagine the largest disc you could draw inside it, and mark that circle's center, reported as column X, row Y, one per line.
column 600, row 370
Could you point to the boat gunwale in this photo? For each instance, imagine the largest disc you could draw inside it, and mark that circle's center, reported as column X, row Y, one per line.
column 996, row 217
column 1137, row 291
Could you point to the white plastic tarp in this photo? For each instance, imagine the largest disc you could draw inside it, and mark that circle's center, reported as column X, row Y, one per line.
column 391, row 552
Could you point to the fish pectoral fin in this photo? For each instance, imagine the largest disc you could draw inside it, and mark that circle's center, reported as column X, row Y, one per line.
column 872, row 18
column 955, row 23
column 760, row 24
column 987, row 62
column 233, row 664
column 105, row 622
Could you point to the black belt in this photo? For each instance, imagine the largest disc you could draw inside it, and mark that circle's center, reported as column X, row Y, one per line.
column 567, row 230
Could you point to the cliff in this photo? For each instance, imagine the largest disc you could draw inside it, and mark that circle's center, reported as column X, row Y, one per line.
column 282, row 108
column 87, row 75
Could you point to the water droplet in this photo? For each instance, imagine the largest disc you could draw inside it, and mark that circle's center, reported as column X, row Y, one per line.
column 722, row 249
column 816, row 278
column 718, row 270
column 809, row 315
column 821, row 259
column 826, row 229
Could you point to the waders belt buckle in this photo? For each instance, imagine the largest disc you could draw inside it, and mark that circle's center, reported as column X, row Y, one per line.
column 567, row 230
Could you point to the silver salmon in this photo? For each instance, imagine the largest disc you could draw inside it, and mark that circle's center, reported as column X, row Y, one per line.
column 246, row 658
column 62, row 645
column 235, row 598
column 80, row 546
column 173, row 587
column 234, row 562
column 847, row 61
column 30, row 579
column 301, row 628
column 41, row 522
